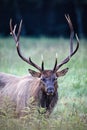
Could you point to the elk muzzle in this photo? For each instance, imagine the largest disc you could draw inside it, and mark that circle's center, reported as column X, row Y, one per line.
column 49, row 89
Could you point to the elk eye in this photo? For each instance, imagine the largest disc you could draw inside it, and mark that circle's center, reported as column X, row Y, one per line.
column 54, row 79
column 43, row 79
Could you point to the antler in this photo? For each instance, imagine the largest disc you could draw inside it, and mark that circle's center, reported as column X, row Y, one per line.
column 56, row 67
column 16, row 38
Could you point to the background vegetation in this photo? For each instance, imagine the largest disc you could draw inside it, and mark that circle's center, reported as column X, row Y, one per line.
column 44, row 17
column 70, row 112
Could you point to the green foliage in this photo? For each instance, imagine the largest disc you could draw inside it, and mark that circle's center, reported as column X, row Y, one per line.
column 71, row 110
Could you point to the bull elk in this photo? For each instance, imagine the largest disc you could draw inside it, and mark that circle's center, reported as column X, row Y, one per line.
column 41, row 85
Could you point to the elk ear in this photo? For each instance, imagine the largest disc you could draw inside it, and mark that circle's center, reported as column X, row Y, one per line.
column 34, row 73
column 62, row 72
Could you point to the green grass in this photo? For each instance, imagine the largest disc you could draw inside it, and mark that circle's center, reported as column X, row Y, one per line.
column 70, row 112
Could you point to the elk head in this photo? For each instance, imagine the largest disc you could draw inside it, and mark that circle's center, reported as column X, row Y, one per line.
column 48, row 77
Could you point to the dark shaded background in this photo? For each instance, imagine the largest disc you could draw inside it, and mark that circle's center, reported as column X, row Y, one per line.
column 44, row 17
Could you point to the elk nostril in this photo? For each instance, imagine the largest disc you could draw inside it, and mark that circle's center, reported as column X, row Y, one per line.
column 50, row 90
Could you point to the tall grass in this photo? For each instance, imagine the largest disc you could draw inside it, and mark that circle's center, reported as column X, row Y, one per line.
column 71, row 110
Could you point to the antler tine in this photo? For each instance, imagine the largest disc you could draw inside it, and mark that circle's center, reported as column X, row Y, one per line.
column 68, row 58
column 72, row 32
column 34, row 65
column 19, row 31
column 71, row 44
column 11, row 27
column 42, row 65
column 55, row 63
column 16, row 38
column 13, row 30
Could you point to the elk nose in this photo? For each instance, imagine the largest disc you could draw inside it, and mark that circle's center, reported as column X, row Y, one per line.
column 50, row 90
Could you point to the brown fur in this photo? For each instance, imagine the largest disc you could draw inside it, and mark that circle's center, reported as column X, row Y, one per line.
column 20, row 89
column 41, row 86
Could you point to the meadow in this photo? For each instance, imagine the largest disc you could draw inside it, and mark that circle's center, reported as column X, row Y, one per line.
column 70, row 112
